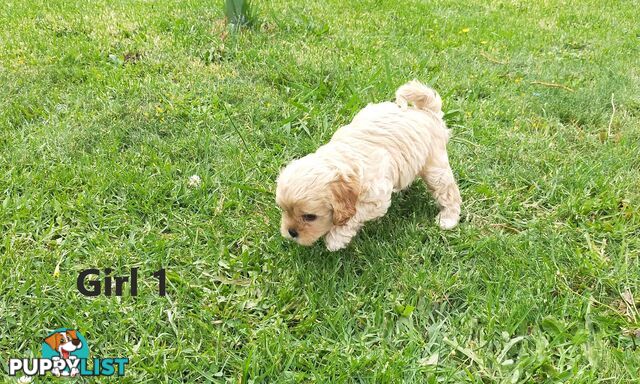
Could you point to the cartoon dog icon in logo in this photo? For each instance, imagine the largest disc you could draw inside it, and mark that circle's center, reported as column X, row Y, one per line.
column 64, row 342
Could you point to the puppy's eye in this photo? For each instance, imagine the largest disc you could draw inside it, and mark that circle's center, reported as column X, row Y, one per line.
column 309, row 217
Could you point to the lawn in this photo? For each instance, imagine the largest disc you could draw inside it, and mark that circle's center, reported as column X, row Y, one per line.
column 107, row 108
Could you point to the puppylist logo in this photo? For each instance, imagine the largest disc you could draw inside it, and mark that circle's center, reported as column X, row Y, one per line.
column 65, row 352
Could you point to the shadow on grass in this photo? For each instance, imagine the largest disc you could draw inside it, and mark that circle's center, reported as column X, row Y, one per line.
column 406, row 239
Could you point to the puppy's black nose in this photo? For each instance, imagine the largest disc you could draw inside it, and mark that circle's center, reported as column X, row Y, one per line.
column 75, row 342
column 293, row 232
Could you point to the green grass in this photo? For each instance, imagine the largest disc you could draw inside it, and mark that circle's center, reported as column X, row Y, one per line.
column 108, row 107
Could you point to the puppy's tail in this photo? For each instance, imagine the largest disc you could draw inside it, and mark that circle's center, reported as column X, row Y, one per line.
column 420, row 96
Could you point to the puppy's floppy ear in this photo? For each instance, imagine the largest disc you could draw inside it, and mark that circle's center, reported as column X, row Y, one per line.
column 345, row 192
column 72, row 333
column 53, row 341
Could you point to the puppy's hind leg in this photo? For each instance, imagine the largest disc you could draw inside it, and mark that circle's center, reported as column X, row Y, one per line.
column 441, row 183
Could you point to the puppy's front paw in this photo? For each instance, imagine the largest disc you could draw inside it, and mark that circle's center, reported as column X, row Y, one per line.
column 334, row 244
column 336, row 241
column 447, row 220
column 340, row 236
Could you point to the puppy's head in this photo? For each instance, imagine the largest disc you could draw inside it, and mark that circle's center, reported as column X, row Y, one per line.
column 68, row 340
column 314, row 196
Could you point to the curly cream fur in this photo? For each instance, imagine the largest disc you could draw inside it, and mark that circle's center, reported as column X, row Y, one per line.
column 350, row 180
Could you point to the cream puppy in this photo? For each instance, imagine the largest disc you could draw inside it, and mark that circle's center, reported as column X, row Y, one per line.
column 350, row 180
